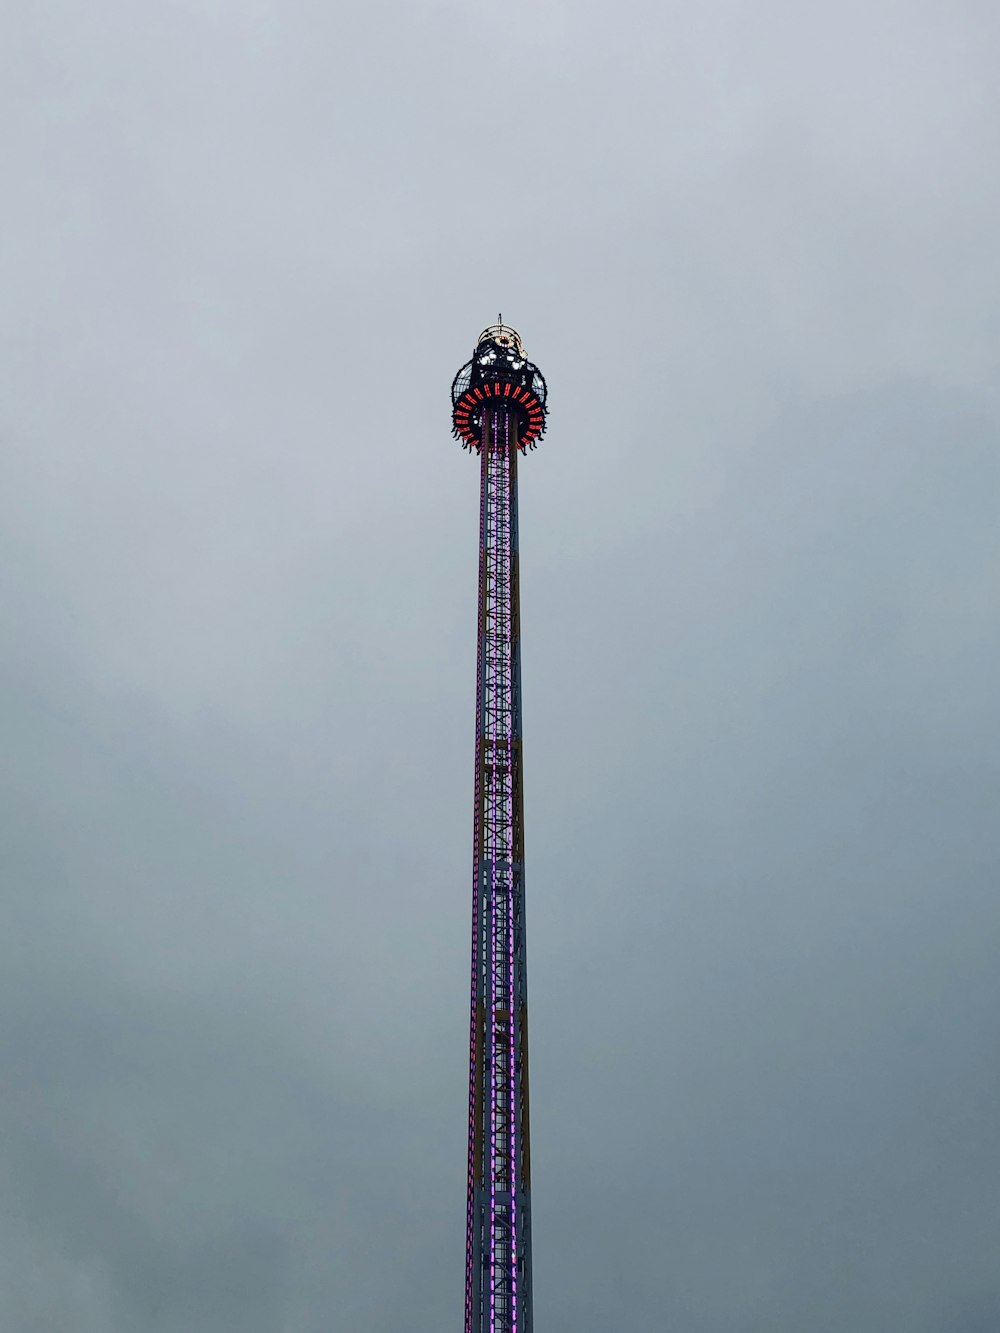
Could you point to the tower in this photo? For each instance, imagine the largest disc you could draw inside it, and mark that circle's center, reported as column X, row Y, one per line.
column 498, row 411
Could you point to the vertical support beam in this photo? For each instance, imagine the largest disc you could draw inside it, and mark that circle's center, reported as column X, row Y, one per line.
column 498, row 1249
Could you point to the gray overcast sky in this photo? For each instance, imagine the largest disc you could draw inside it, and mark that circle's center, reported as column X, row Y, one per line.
column 753, row 247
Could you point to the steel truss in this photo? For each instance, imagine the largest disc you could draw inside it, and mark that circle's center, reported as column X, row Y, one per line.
column 498, row 1234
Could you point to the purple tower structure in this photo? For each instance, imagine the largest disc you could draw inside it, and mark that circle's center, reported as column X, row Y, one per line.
column 498, row 410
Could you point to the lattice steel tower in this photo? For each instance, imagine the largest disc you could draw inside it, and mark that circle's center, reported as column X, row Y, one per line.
column 498, row 402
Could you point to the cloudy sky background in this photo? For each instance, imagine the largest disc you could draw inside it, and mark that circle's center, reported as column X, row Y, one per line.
column 753, row 247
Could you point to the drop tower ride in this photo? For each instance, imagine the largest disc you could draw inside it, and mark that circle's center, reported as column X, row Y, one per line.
column 498, row 411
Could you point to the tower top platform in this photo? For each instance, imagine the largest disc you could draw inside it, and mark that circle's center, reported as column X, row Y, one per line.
column 504, row 336
column 499, row 376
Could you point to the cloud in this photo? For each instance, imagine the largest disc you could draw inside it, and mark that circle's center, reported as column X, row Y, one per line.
column 752, row 252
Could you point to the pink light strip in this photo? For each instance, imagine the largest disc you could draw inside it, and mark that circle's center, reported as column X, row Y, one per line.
column 511, row 1105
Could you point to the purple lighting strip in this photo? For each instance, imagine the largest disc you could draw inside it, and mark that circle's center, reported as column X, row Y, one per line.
column 499, row 737
column 475, row 1149
column 511, row 994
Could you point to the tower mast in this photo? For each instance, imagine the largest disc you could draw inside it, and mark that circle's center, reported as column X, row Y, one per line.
column 498, row 410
